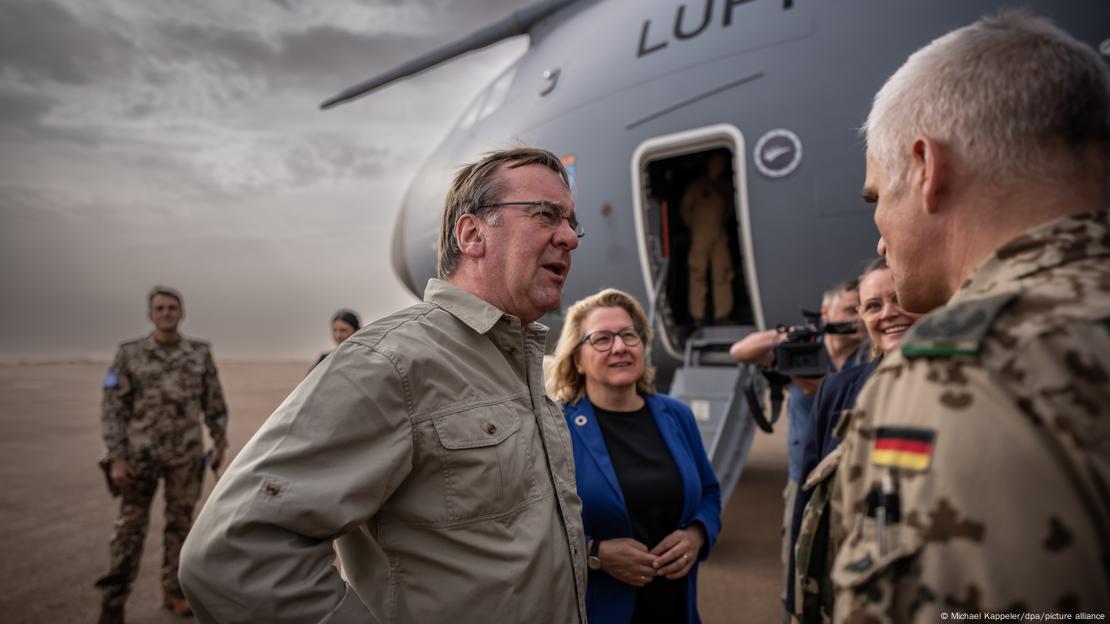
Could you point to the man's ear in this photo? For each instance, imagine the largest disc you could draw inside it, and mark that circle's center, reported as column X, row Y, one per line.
column 930, row 172
column 469, row 234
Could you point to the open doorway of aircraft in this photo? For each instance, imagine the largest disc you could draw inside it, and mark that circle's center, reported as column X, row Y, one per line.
column 638, row 98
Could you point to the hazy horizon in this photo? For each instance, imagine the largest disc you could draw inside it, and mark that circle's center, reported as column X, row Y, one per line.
column 182, row 145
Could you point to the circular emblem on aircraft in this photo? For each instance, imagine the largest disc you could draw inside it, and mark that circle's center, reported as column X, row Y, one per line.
column 778, row 153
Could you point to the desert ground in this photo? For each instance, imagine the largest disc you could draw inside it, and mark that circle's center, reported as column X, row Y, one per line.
column 57, row 515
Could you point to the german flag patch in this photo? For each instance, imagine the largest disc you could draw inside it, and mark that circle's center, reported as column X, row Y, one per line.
column 903, row 447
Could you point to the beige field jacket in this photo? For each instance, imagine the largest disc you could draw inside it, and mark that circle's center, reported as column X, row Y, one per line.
column 426, row 448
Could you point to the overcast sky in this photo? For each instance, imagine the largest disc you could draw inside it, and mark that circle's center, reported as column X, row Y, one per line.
column 181, row 143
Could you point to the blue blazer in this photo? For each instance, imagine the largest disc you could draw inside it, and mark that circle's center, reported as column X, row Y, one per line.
column 605, row 516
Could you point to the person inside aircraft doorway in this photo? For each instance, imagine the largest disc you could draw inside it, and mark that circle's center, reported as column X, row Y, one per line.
column 705, row 209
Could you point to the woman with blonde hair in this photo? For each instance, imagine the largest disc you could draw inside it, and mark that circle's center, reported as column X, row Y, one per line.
column 651, row 505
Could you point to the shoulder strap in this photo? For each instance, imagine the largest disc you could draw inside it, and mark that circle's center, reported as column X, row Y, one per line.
column 955, row 331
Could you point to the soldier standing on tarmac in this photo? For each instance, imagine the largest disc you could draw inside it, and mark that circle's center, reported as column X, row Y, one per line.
column 155, row 393
column 974, row 478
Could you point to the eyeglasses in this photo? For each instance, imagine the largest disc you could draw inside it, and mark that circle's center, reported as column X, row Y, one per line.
column 602, row 340
column 548, row 214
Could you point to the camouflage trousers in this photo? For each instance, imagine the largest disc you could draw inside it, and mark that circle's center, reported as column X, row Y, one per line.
column 789, row 494
column 814, row 557
column 182, row 489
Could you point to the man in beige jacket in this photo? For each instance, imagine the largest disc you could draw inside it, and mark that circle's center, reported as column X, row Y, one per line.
column 424, row 447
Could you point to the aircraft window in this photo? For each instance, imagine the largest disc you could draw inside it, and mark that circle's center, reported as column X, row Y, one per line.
column 498, row 91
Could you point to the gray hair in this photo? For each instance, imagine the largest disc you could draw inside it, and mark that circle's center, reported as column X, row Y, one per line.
column 832, row 294
column 478, row 184
column 1013, row 95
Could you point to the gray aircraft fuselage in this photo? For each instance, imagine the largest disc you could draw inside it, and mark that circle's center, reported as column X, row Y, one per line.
column 603, row 78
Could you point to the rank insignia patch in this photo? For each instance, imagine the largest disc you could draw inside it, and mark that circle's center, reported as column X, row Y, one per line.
column 903, row 447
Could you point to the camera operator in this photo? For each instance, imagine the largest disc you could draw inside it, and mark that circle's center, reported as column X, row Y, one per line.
column 840, row 304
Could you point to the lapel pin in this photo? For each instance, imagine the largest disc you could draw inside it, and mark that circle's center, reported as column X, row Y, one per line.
column 580, row 420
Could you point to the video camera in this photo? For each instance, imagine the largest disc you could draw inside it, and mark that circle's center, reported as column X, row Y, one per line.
column 802, row 354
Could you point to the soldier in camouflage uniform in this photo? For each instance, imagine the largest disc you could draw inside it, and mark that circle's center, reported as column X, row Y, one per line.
column 974, row 476
column 155, row 394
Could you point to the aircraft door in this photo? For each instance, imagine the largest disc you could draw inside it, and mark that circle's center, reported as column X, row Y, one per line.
column 694, row 235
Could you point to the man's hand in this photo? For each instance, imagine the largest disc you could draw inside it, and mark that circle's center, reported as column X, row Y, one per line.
column 757, row 348
column 121, row 473
column 626, row 560
column 676, row 554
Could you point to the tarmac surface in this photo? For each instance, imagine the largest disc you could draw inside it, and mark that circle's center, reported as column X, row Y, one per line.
column 57, row 515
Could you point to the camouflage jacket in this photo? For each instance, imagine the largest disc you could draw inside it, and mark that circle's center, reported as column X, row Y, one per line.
column 154, row 398
column 975, row 475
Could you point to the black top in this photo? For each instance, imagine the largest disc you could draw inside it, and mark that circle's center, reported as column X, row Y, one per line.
column 652, row 489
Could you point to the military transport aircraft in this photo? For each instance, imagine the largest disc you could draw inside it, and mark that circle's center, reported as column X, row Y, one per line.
column 635, row 94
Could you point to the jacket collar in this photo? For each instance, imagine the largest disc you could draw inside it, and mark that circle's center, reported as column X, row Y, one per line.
column 475, row 312
column 1046, row 246
column 152, row 345
column 582, row 419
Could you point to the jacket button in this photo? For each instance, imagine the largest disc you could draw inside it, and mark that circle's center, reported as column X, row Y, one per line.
column 491, row 428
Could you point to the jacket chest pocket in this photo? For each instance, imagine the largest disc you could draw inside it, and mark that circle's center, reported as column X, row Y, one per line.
column 190, row 377
column 482, row 460
column 872, row 571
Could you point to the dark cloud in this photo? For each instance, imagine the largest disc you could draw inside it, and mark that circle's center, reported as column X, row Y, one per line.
column 22, row 119
column 322, row 49
column 480, row 12
column 128, row 157
column 140, row 110
column 22, row 207
column 320, row 57
column 44, row 41
column 377, row 3
column 326, row 156
column 20, row 110
column 330, row 56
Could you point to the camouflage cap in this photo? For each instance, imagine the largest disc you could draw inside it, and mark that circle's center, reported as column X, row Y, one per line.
column 165, row 290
